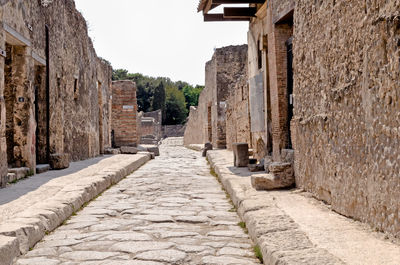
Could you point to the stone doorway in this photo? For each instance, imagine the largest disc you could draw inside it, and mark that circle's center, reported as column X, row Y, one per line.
column 41, row 108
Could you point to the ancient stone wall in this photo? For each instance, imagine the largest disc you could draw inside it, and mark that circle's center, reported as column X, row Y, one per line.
column 347, row 99
column 50, row 37
column 124, row 109
column 173, row 130
column 237, row 114
column 207, row 122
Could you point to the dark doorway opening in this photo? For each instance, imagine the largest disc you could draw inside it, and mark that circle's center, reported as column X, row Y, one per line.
column 41, row 115
column 101, row 128
column 209, row 125
column 9, row 97
column 289, row 45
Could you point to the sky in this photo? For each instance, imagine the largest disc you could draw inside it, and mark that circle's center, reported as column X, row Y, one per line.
column 158, row 37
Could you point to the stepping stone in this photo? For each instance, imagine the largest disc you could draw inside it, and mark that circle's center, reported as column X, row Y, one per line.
column 41, row 168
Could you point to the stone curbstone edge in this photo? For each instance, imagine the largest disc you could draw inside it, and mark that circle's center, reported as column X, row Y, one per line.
column 26, row 228
column 280, row 239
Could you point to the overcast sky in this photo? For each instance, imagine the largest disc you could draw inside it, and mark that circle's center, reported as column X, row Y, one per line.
column 158, row 37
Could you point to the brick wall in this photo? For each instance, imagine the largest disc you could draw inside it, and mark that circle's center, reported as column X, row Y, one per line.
column 124, row 108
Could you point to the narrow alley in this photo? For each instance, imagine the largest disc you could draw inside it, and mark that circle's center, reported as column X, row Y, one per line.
column 170, row 211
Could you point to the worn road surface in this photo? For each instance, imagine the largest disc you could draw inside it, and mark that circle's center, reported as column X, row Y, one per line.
column 170, row 211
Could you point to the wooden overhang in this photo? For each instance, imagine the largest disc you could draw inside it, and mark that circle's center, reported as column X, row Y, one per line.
column 230, row 13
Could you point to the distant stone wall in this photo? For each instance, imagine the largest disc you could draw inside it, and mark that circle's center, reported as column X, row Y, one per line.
column 124, row 108
column 173, row 130
column 207, row 122
column 346, row 127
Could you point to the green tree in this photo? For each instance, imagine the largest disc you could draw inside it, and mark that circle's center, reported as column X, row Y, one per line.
column 159, row 98
column 176, row 111
column 192, row 95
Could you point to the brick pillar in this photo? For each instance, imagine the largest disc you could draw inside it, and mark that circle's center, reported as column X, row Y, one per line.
column 277, row 54
column 124, row 109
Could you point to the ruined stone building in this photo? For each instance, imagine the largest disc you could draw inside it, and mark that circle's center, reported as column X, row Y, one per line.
column 208, row 121
column 55, row 93
column 149, row 127
column 323, row 81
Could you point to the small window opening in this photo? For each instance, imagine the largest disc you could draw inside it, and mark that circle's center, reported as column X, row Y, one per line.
column 76, row 88
column 259, row 55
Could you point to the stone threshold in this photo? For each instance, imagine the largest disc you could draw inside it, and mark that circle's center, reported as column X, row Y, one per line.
column 292, row 228
column 54, row 202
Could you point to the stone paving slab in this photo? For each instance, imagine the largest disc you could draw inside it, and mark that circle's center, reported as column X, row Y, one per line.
column 170, row 211
column 293, row 228
column 26, row 220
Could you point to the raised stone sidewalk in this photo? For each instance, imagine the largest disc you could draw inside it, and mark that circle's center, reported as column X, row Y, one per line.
column 26, row 220
column 292, row 228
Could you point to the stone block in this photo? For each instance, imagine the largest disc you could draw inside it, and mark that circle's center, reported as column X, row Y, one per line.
column 9, row 249
column 41, row 168
column 112, row 151
column 256, row 167
column 281, row 176
column 154, row 149
column 207, row 146
column 20, row 172
column 59, row 161
column 241, row 154
column 11, row 177
column 267, row 161
column 129, row 150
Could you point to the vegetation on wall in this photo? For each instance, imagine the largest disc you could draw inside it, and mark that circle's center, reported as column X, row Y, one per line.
column 154, row 93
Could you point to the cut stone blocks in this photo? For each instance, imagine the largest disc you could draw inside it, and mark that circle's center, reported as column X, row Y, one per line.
column 20, row 172
column 150, row 148
column 9, row 249
column 241, row 154
column 207, row 147
column 256, row 167
column 129, row 150
column 42, row 168
column 59, row 161
column 112, row 151
column 267, row 161
column 154, row 149
column 281, row 176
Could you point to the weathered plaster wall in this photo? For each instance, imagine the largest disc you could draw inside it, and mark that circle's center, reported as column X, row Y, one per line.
column 347, row 102
column 75, row 73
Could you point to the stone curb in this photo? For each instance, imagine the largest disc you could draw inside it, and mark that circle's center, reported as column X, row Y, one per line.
column 280, row 239
column 195, row 147
column 26, row 228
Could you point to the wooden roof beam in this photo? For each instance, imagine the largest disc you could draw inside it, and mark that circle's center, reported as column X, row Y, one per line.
column 238, row 1
column 240, row 12
column 221, row 17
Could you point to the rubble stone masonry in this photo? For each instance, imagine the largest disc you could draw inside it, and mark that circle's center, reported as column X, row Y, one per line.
column 346, row 126
column 48, row 56
column 208, row 121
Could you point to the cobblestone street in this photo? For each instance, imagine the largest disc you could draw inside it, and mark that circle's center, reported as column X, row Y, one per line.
column 170, row 211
